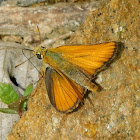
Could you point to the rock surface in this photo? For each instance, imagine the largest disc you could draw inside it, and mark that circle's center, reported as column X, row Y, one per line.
column 115, row 114
column 18, row 29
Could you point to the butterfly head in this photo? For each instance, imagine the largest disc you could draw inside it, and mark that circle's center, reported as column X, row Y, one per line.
column 40, row 52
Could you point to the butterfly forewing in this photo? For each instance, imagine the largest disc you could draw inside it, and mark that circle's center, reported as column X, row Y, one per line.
column 88, row 58
column 64, row 94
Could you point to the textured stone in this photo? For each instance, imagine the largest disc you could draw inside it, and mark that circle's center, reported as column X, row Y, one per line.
column 19, row 24
column 115, row 111
column 53, row 20
column 23, row 3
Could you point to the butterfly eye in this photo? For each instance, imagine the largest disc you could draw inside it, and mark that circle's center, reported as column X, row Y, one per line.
column 38, row 56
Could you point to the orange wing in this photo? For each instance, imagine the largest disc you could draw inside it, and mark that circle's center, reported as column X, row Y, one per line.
column 64, row 94
column 88, row 58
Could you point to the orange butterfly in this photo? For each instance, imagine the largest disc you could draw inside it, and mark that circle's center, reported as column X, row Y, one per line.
column 71, row 71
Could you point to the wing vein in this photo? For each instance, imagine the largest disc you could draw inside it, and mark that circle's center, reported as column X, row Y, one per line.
column 65, row 95
column 58, row 98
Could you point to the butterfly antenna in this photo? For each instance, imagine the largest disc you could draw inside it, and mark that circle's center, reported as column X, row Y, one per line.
column 28, row 59
column 39, row 34
column 32, row 63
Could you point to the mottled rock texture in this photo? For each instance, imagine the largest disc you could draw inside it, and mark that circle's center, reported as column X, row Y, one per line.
column 115, row 113
column 18, row 28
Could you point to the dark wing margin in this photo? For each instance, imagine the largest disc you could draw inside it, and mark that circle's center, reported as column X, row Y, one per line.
column 62, row 92
column 49, row 84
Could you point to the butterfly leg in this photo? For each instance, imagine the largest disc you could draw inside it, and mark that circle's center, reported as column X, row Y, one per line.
column 42, row 71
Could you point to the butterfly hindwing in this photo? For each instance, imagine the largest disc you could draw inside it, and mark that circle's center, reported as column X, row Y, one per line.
column 64, row 94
